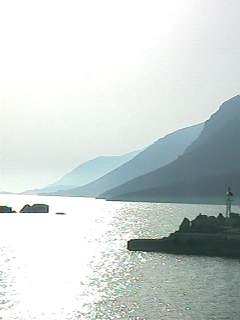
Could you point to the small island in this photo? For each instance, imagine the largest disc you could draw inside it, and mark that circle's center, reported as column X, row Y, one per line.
column 35, row 208
column 205, row 235
column 6, row 209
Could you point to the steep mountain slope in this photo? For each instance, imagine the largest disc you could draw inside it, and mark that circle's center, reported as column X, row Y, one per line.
column 87, row 172
column 160, row 153
column 206, row 167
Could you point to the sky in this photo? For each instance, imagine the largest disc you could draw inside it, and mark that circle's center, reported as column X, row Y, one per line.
column 79, row 79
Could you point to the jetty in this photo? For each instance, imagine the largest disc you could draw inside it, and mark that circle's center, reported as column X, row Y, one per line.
column 205, row 235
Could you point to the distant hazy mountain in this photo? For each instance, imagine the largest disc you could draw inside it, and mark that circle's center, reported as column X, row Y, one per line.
column 86, row 172
column 202, row 173
column 6, row 192
column 160, row 153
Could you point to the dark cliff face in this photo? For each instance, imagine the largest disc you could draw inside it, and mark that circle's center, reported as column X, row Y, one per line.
column 160, row 153
column 202, row 173
column 228, row 111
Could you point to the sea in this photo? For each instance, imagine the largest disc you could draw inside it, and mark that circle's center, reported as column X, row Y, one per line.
column 77, row 266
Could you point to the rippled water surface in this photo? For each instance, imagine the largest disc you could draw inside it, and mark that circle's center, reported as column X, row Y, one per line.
column 76, row 266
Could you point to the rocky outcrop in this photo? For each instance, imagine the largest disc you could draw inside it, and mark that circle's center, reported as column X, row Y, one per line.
column 206, row 224
column 185, row 225
column 210, row 236
column 5, row 209
column 36, row 208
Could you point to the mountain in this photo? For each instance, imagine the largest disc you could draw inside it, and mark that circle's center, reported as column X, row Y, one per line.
column 160, row 153
column 86, row 172
column 6, row 192
column 202, row 173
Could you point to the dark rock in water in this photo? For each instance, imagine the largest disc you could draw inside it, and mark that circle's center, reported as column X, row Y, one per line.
column 36, row 208
column 5, row 209
column 210, row 236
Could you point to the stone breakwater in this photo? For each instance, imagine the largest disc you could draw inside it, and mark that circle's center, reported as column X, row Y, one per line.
column 211, row 236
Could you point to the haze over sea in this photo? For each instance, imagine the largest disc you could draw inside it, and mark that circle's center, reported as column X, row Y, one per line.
column 77, row 266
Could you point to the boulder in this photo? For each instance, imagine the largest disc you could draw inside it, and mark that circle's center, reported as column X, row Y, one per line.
column 36, row 208
column 221, row 218
column 206, row 224
column 5, row 209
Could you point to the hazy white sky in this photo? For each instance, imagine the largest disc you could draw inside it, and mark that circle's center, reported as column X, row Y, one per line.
column 83, row 78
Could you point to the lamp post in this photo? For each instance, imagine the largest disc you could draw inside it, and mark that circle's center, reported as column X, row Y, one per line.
column 229, row 200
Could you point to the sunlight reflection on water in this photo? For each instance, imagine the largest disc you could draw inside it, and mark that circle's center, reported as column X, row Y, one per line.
column 76, row 266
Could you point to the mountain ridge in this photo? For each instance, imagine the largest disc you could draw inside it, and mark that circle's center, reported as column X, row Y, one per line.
column 86, row 172
column 159, row 153
column 205, row 157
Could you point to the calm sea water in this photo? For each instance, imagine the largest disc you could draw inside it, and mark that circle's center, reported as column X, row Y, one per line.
column 77, row 267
